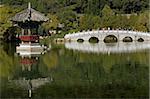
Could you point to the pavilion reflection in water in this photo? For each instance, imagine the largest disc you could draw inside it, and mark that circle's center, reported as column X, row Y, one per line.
column 29, row 76
column 101, row 47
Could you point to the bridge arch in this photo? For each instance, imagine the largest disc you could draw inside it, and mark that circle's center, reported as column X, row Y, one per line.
column 80, row 40
column 93, row 39
column 127, row 39
column 110, row 39
column 140, row 40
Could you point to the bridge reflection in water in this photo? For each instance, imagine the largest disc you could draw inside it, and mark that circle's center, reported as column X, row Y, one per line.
column 101, row 47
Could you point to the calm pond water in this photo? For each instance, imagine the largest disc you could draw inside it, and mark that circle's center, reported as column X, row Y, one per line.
column 77, row 70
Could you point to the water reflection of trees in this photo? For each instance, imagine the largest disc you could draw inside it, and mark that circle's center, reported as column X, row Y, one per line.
column 50, row 59
column 77, row 74
column 7, row 64
column 8, row 67
column 90, row 75
column 88, row 81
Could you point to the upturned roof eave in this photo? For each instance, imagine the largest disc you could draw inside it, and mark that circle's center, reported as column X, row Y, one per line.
column 24, row 16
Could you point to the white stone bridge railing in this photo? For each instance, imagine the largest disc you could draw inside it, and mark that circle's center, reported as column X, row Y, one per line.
column 102, row 34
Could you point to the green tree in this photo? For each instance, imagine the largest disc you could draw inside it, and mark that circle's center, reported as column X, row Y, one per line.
column 89, row 22
column 6, row 13
column 107, row 16
column 52, row 23
column 69, row 19
column 142, row 24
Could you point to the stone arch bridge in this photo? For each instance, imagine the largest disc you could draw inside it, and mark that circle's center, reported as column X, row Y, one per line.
column 102, row 34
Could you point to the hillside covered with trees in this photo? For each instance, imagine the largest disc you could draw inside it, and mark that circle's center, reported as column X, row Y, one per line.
column 77, row 15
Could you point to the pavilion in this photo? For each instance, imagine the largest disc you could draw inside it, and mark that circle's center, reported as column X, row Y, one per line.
column 29, row 21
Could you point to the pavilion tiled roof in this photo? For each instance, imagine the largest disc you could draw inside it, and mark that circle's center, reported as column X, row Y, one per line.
column 29, row 15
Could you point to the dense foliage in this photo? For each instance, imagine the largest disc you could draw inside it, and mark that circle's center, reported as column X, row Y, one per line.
column 83, row 6
column 76, row 15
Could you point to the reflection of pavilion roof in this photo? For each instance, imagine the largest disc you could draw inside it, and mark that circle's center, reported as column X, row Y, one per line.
column 31, row 84
column 34, row 82
column 29, row 14
column 101, row 47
